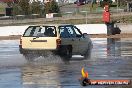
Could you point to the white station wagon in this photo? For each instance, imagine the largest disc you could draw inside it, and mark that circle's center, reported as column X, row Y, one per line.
column 63, row 40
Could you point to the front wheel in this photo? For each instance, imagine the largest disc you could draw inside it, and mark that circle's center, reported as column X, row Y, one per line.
column 87, row 55
column 88, row 52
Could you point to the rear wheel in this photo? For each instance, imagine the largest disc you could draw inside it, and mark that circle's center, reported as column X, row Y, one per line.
column 67, row 52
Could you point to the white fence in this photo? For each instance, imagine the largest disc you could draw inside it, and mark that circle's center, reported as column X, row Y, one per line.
column 85, row 28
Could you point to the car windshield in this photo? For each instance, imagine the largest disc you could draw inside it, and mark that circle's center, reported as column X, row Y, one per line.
column 40, row 31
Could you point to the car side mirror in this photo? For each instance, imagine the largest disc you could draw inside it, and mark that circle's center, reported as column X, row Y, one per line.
column 85, row 34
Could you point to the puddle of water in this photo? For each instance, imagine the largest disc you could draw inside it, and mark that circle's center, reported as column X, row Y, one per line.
column 10, row 78
column 109, row 59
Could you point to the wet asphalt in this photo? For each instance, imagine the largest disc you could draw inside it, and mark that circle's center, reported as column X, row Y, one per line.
column 110, row 59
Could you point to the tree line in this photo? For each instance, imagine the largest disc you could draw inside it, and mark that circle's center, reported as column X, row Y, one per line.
column 26, row 7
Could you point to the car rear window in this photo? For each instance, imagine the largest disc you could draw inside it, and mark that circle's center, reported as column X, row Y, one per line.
column 40, row 31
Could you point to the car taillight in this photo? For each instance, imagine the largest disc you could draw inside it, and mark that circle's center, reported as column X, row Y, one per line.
column 20, row 41
column 58, row 42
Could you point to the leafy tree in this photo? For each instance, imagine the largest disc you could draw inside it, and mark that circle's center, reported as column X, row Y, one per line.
column 24, row 4
column 36, row 7
column 55, row 7
column 10, row 2
column 105, row 2
column 16, row 9
column 52, row 7
column 123, row 2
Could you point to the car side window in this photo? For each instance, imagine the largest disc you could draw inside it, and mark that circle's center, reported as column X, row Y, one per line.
column 67, row 32
column 71, row 32
column 63, row 32
column 77, row 31
column 28, row 31
column 31, row 31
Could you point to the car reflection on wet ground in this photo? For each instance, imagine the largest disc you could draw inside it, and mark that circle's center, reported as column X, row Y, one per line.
column 110, row 59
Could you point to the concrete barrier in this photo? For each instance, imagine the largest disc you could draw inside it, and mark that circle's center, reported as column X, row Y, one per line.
column 85, row 28
column 93, row 28
column 12, row 30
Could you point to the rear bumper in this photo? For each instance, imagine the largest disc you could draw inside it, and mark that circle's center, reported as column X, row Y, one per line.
column 25, row 51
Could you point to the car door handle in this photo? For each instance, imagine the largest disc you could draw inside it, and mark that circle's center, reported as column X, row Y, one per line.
column 34, row 38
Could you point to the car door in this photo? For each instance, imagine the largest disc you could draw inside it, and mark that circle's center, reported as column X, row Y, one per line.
column 82, row 41
column 68, row 37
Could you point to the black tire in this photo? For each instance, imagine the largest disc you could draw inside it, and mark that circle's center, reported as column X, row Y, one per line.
column 67, row 53
column 88, row 52
column 86, row 55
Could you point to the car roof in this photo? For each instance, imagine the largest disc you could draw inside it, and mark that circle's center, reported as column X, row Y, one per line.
column 52, row 25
